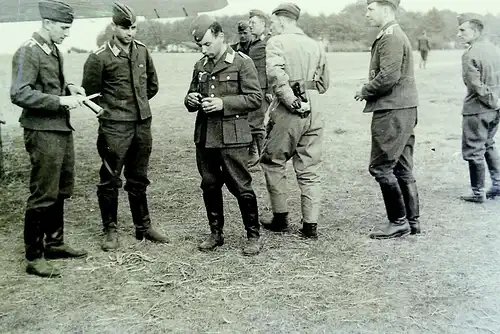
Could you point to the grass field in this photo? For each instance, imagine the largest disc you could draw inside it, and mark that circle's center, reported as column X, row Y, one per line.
column 445, row 280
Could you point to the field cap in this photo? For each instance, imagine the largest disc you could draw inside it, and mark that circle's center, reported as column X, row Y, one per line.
column 123, row 15
column 466, row 17
column 288, row 9
column 55, row 10
column 394, row 3
column 200, row 26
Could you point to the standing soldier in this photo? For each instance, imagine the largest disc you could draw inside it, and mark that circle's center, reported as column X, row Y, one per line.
column 245, row 37
column 122, row 70
column 224, row 89
column 39, row 87
column 424, row 47
column 391, row 95
column 481, row 75
column 297, row 71
column 258, row 21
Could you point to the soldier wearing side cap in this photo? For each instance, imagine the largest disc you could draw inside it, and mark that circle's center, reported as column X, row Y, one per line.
column 122, row 70
column 391, row 95
column 481, row 75
column 259, row 23
column 40, row 88
column 297, row 72
column 223, row 90
column 245, row 37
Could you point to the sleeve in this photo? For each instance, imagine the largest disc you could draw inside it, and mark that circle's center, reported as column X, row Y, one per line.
column 92, row 75
column 25, row 71
column 391, row 51
column 278, row 79
column 193, row 88
column 250, row 97
column 152, row 77
column 472, row 78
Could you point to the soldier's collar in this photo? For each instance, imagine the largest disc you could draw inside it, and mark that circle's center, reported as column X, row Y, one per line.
column 387, row 29
column 230, row 54
column 293, row 30
column 42, row 43
column 115, row 49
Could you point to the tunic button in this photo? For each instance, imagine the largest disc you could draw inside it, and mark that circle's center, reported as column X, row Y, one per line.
column 237, row 116
column 212, row 95
column 213, row 78
column 212, row 86
column 228, row 77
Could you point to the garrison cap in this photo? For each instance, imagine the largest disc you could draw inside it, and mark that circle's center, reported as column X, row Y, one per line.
column 288, row 9
column 55, row 10
column 200, row 26
column 123, row 15
column 465, row 17
column 242, row 26
column 394, row 3
column 258, row 12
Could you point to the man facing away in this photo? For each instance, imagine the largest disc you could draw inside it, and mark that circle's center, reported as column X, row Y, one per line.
column 424, row 47
column 481, row 76
column 122, row 70
column 39, row 87
column 297, row 72
column 223, row 90
column 391, row 95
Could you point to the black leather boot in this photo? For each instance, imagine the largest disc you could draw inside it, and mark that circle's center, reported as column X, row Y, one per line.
column 142, row 220
column 215, row 215
column 108, row 205
column 477, row 176
column 279, row 222
column 250, row 216
column 309, row 230
column 412, row 205
column 493, row 163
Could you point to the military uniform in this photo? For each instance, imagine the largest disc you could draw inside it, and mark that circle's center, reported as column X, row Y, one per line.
column 424, row 47
column 481, row 76
column 126, row 81
column 222, row 138
column 37, row 83
column 292, row 57
column 391, row 95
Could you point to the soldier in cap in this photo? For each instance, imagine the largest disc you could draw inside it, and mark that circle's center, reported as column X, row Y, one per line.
column 259, row 23
column 481, row 75
column 123, row 71
column 224, row 90
column 297, row 72
column 245, row 37
column 40, row 88
column 391, row 95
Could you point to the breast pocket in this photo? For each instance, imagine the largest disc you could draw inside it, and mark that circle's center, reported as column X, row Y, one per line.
column 229, row 83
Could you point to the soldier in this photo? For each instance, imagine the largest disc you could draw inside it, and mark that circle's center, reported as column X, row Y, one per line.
column 297, row 71
column 245, row 37
column 481, row 75
column 424, row 47
column 258, row 21
column 391, row 95
column 39, row 87
column 122, row 70
column 223, row 90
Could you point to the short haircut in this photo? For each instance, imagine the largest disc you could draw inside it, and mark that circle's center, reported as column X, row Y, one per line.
column 216, row 28
column 477, row 25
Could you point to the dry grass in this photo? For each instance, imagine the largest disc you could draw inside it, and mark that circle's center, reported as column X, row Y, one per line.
column 443, row 281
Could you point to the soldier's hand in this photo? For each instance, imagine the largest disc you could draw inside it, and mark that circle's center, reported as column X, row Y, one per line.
column 193, row 100
column 211, row 104
column 359, row 96
column 72, row 101
column 76, row 90
column 269, row 98
column 305, row 107
column 296, row 104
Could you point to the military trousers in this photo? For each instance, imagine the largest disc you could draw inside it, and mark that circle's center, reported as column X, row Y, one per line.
column 478, row 135
column 256, row 119
column 124, row 145
column 291, row 137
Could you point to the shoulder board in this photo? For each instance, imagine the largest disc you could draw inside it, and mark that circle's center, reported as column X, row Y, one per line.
column 30, row 42
column 100, row 49
column 389, row 31
column 243, row 55
column 140, row 43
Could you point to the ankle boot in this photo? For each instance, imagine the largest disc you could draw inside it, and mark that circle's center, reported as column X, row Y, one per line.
column 395, row 229
column 40, row 267
column 279, row 222
column 309, row 230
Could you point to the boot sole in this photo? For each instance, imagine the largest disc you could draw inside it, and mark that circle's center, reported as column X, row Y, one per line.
column 394, row 236
column 212, row 248
column 57, row 257
column 284, row 230
column 33, row 272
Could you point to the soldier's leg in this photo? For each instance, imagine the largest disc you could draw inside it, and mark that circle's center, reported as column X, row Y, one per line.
column 258, row 129
column 388, row 143
column 278, row 149
column 406, row 179
column 239, row 182
column 136, row 174
column 492, row 157
column 42, row 147
column 474, row 137
column 209, row 163
column 307, row 163
column 113, row 141
column 54, row 233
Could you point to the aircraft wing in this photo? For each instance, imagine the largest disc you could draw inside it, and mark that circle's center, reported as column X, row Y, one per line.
column 27, row 10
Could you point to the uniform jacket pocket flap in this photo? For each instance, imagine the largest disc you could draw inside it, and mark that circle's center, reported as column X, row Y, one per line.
column 236, row 131
column 228, row 76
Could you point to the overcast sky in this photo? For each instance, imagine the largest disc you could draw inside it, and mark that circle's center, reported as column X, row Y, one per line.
column 84, row 32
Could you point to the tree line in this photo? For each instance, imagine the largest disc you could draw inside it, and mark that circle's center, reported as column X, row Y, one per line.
column 344, row 31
